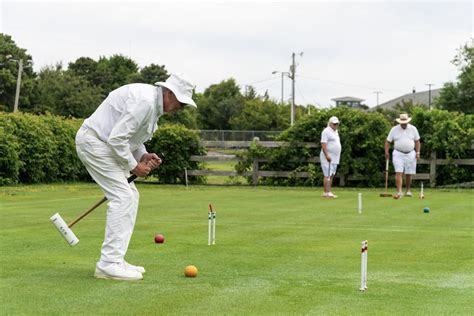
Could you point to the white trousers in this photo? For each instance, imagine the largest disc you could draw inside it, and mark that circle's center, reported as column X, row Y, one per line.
column 122, row 196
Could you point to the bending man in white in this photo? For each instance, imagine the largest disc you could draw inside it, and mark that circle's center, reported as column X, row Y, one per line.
column 110, row 145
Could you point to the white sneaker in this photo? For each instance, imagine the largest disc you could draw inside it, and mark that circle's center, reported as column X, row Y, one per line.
column 408, row 194
column 331, row 195
column 116, row 271
column 135, row 268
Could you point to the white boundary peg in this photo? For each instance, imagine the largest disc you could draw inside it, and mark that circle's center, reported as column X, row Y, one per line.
column 360, row 203
column 211, row 226
column 363, row 265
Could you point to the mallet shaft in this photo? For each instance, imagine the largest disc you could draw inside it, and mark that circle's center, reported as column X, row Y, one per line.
column 96, row 205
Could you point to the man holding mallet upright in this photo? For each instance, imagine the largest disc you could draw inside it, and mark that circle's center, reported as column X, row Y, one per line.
column 405, row 154
column 110, row 145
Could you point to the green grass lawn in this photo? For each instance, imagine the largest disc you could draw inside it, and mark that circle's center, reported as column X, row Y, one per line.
column 279, row 251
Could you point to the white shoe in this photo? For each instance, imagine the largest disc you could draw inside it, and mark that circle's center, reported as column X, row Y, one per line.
column 408, row 194
column 134, row 268
column 325, row 195
column 116, row 271
column 331, row 195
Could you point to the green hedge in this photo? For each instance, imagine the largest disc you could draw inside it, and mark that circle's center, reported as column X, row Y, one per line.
column 450, row 135
column 41, row 149
column 178, row 144
column 363, row 135
column 9, row 159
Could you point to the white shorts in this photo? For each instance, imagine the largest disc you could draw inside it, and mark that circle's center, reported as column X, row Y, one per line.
column 404, row 163
column 328, row 172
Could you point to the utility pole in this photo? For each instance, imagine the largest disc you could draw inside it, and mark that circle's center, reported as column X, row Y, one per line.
column 429, row 94
column 18, row 83
column 377, row 93
column 18, row 79
column 282, row 83
column 293, row 75
column 283, row 74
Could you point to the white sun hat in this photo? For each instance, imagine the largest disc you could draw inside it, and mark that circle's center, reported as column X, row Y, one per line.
column 404, row 119
column 334, row 120
column 181, row 87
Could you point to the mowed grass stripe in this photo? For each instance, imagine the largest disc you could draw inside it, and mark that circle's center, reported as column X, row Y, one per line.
column 278, row 251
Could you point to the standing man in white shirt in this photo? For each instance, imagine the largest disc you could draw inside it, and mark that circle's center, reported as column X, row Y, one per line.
column 330, row 154
column 110, row 145
column 405, row 154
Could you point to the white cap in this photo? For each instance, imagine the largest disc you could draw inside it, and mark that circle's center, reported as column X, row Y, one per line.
column 181, row 87
column 334, row 120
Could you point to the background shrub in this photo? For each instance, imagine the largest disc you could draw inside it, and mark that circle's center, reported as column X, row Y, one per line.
column 9, row 160
column 178, row 144
column 363, row 136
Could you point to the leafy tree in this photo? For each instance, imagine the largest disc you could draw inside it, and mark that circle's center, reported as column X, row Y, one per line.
column 258, row 114
column 9, row 74
column 250, row 93
column 114, row 72
column 187, row 117
column 150, row 74
column 218, row 104
column 403, row 107
column 459, row 96
column 85, row 67
column 64, row 93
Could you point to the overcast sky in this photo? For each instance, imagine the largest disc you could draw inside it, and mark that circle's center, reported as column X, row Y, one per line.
column 350, row 48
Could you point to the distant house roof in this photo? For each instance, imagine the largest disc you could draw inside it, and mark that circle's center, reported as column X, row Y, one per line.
column 415, row 97
column 347, row 99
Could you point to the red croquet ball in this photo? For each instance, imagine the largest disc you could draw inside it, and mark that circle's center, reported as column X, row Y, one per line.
column 159, row 239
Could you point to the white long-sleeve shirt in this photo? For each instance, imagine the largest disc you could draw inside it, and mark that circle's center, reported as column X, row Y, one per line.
column 126, row 119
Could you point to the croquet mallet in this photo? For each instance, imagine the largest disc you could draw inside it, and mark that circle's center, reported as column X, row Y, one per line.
column 386, row 194
column 65, row 229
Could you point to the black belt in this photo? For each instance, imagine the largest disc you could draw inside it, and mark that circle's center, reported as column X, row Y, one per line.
column 404, row 151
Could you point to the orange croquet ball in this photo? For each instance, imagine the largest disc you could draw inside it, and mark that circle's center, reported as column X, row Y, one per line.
column 191, row 271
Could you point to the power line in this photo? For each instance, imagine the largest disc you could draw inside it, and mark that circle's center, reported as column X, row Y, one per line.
column 349, row 84
column 302, row 96
column 259, row 81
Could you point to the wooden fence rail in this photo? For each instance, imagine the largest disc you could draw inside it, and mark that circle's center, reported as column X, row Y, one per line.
column 256, row 173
